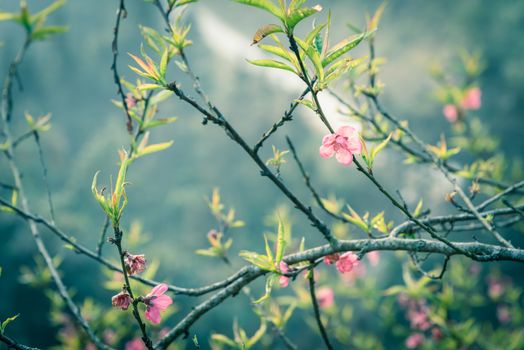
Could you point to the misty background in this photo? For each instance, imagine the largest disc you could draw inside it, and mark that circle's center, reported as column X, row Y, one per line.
column 69, row 76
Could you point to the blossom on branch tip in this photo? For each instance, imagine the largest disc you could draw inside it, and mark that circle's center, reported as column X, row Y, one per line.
column 283, row 280
column 472, row 99
column 135, row 264
column 451, row 113
column 130, row 100
column 122, row 300
column 157, row 301
column 344, row 144
column 347, row 262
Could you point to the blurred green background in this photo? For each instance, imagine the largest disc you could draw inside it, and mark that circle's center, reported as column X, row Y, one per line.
column 70, row 77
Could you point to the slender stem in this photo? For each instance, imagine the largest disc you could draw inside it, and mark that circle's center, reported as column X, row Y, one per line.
column 102, row 239
column 288, row 116
column 305, row 77
column 316, row 309
column 136, row 314
column 502, row 194
column 44, row 175
column 13, row 344
column 17, row 178
column 120, row 13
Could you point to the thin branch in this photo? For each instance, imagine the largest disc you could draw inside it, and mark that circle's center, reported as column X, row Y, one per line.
column 314, row 301
column 484, row 252
column 233, row 134
column 418, row 266
column 309, row 185
column 121, row 12
column 42, row 249
column 13, row 344
column 93, row 255
column 102, row 239
column 502, row 194
column 309, row 83
column 136, row 314
column 7, row 90
column 288, row 116
column 44, row 175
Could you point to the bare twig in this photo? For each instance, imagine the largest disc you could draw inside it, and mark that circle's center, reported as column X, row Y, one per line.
column 316, row 309
column 121, row 12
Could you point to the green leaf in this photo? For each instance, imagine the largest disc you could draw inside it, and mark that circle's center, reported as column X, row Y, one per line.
column 308, row 103
column 300, row 14
column 45, row 32
column 6, row 322
column 269, row 253
column 313, row 35
column 261, row 261
column 314, row 56
column 144, row 87
column 296, row 4
column 269, row 286
column 163, row 63
column 341, row 48
column 7, row 16
column 280, row 52
column 265, row 5
column 222, row 339
column 266, row 30
column 155, row 148
column 272, row 64
column 380, row 147
column 159, row 122
column 41, row 15
column 281, row 242
column 374, row 21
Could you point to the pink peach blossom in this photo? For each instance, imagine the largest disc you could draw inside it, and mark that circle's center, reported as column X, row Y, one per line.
column 347, row 261
column 373, row 257
column 419, row 319
column 135, row 264
column 451, row 113
column 157, row 301
column 414, row 341
column 344, row 143
column 358, row 271
column 325, row 297
column 135, row 344
column 283, row 280
column 472, row 99
column 122, row 300
column 331, row 258
column 130, row 100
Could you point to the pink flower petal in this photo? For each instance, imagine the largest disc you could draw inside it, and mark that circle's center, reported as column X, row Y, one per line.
column 451, row 113
column 328, row 139
column 283, row 281
column 162, row 302
column 159, row 290
column 153, row 315
column 344, row 157
column 326, row 151
column 347, row 131
column 355, row 146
